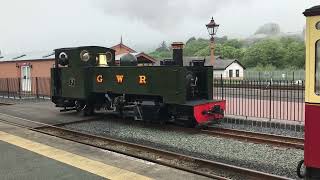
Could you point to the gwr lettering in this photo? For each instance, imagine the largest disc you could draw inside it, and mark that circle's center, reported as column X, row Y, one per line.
column 99, row 78
column 142, row 79
column 119, row 78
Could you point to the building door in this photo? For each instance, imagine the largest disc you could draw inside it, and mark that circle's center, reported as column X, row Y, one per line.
column 25, row 78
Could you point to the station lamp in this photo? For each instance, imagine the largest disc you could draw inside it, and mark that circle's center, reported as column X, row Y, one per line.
column 212, row 30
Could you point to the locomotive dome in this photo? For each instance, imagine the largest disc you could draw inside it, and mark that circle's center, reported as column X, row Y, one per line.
column 128, row 60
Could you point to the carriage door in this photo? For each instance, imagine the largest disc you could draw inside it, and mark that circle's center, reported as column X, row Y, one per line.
column 25, row 78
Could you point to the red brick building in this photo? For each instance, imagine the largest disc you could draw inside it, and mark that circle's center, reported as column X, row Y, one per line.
column 30, row 72
column 17, row 72
column 38, row 64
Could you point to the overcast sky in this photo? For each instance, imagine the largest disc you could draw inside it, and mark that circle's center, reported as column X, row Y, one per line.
column 35, row 25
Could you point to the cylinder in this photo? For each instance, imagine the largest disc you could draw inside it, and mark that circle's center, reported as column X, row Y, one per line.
column 177, row 48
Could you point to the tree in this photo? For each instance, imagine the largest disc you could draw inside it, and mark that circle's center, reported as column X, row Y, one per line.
column 294, row 55
column 265, row 52
column 194, row 46
column 285, row 52
column 228, row 52
column 191, row 39
column 221, row 40
column 163, row 47
column 261, row 68
column 203, row 52
column 234, row 43
column 161, row 55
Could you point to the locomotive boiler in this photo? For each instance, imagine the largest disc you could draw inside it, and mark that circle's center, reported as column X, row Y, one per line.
column 88, row 78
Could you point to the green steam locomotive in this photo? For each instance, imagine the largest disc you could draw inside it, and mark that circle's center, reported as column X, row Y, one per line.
column 88, row 78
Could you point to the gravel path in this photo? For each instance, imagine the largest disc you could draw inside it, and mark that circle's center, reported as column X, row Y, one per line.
column 280, row 161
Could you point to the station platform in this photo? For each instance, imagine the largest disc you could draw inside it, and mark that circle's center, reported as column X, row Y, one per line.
column 25, row 154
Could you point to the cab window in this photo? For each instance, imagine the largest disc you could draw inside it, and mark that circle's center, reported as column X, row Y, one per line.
column 317, row 69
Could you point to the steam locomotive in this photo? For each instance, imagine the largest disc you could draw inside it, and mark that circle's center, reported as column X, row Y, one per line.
column 88, row 78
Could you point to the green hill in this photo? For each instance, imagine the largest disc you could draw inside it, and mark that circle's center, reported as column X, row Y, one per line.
column 280, row 53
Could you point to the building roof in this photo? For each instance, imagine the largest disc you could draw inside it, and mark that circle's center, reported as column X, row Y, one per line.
column 220, row 63
column 121, row 45
column 31, row 56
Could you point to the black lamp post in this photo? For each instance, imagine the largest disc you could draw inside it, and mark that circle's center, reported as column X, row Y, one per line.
column 212, row 30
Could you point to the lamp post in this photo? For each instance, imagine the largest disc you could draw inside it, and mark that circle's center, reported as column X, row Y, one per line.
column 212, row 30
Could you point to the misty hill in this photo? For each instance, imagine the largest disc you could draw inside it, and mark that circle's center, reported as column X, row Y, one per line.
column 269, row 29
column 272, row 30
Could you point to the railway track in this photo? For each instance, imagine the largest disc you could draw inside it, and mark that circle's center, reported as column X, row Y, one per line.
column 212, row 169
column 262, row 138
column 249, row 136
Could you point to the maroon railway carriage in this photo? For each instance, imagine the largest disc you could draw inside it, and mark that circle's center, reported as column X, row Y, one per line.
column 312, row 96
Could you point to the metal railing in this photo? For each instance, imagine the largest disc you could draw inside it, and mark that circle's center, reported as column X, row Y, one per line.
column 269, row 100
column 25, row 88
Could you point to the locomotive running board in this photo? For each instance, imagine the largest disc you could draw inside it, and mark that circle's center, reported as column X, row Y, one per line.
column 66, row 109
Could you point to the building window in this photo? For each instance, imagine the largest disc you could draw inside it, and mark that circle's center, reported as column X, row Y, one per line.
column 230, row 73
column 237, row 73
column 317, row 69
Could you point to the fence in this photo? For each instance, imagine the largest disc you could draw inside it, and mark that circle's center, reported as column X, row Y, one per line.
column 269, row 100
column 274, row 75
column 17, row 88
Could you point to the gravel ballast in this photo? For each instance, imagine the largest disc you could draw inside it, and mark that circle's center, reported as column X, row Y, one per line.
column 260, row 129
column 266, row 158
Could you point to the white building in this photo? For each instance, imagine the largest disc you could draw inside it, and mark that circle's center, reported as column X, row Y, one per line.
column 227, row 68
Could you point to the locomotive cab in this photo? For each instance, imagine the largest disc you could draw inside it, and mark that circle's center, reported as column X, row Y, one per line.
column 85, row 56
column 68, row 80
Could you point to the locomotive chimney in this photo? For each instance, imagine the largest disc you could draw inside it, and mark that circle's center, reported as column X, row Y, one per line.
column 177, row 48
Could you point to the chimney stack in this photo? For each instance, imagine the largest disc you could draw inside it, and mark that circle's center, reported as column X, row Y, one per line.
column 177, row 48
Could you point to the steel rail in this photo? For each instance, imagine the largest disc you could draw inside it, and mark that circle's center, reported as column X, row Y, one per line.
column 171, row 159
column 256, row 137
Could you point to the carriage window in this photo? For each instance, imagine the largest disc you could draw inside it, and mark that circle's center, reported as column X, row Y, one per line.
column 317, row 70
column 318, row 25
